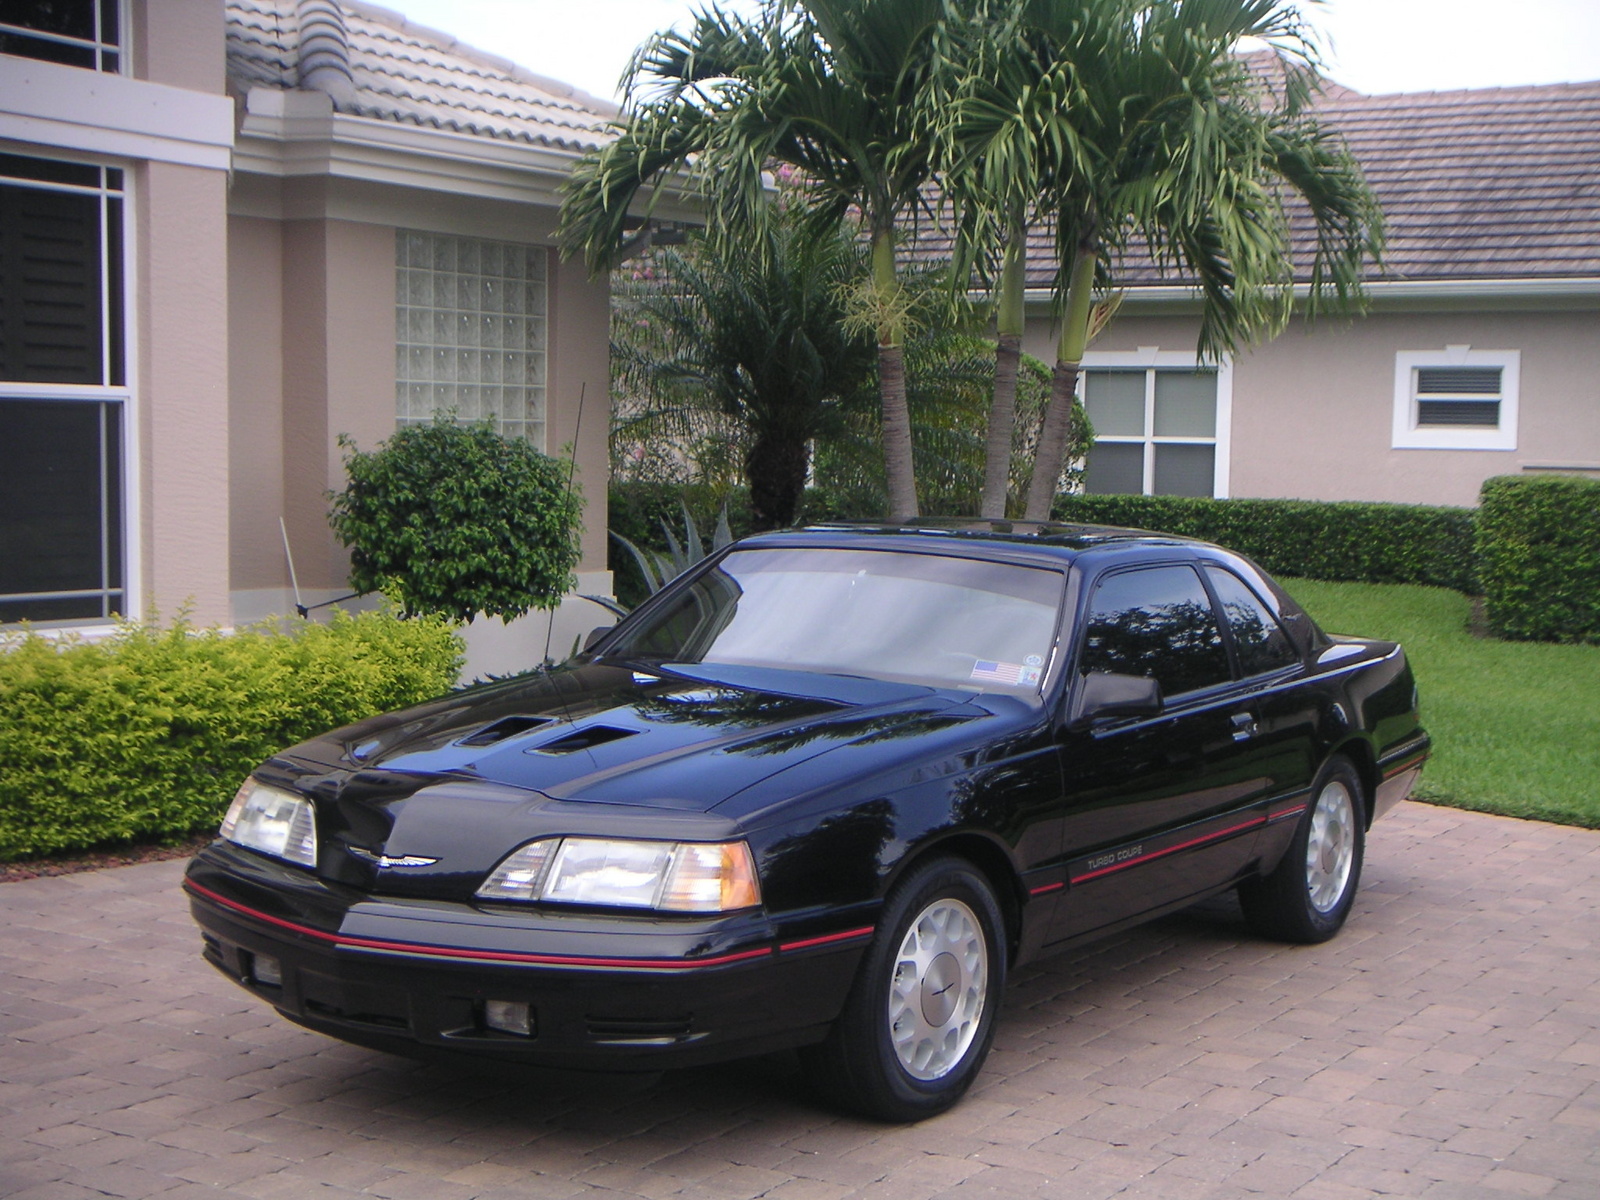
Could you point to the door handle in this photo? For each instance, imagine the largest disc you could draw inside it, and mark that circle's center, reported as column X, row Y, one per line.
column 1244, row 726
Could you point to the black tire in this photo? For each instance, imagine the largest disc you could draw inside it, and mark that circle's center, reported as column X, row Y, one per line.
column 939, row 960
column 1307, row 897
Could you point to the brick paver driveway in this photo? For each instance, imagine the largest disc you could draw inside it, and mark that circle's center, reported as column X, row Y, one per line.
column 1447, row 1045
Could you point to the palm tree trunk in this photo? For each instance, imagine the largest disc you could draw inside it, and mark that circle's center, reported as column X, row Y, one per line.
column 1007, row 359
column 1048, row 462
column 899, row 469
column 775, row 467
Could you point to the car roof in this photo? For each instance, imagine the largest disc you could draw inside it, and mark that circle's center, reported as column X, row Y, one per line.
column 1015, row 540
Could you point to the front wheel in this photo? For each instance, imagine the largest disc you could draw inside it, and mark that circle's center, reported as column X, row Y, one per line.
column 1307, row 897
column 920, row 1017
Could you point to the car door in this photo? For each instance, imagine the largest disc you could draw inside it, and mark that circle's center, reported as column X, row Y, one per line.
column 1158, row 807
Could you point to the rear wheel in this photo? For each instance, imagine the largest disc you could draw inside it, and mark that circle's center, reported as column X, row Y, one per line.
column 1307, row 897
column 920, row 1017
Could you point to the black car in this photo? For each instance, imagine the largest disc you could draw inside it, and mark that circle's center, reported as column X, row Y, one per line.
column 822, row 791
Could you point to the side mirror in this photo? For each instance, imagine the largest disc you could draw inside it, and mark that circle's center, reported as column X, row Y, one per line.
column 595, row 635
column 1104, row 696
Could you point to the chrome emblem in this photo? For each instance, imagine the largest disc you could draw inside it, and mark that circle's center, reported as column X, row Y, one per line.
column 384, row 862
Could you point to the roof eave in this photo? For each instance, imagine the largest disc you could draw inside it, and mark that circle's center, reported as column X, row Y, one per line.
column 298, row 133
column 1513, row 291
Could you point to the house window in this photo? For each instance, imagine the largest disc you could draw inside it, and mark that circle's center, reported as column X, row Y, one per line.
column 77, row 33
column 1457, row 398
column 470, row 332
column 1157, row 430
column 63, row 393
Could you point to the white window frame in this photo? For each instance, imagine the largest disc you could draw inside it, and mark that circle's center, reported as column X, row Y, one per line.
column 124, row 395
column 1151, row 359
column 1408, row 435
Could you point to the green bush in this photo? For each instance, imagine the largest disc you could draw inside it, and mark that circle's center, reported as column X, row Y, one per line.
column 1351, row 541
column 146, row 736
column 458, row 520
column 1539, row 557
column 1335, row 540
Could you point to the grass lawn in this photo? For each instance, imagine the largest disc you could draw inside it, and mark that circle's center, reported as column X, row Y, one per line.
column 1515, row 725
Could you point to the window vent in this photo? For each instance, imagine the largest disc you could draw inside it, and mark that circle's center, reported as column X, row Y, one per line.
column 1460, row 396
column 505, row 727
column 584, row 739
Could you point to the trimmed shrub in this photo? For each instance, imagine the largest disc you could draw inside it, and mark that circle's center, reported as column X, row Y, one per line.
column 146, row 736
column 1341, row 541
column 458, row 520
column 1539, row 557
column 1346, row 541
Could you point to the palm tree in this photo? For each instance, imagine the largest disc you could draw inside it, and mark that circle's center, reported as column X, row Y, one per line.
column 1132, row 126
column 828, row 87
column 756, row 336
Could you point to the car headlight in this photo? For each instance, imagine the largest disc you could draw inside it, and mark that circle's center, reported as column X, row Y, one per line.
column 274, row 822
column 676, row 876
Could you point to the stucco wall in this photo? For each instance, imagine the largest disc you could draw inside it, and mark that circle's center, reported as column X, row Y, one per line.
column 182, row 370
column 255, row 404
column 580, row 348
column 179, row 42
column 313, row 357
column 1312, row 411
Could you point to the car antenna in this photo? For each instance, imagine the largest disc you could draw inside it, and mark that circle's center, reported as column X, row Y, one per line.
column 302, row 609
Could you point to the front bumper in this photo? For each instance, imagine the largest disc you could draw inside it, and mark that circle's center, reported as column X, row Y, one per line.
column 604, row 992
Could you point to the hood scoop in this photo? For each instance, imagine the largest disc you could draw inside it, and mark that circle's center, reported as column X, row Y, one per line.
column 586, row 738
column 505, row 727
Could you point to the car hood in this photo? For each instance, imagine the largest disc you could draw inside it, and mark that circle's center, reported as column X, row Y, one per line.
column 595, row 748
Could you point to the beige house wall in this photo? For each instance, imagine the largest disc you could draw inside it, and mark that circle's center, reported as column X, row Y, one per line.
column 179, row 42
column 181, row 398
column 255, row 402
column 1313, row 410
column 313, row 357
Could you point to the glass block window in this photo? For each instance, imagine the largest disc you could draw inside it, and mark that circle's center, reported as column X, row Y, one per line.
column 62, row 391
column 1155, row 431
column 77, row 33
column 1457, row 398
column 471, row 332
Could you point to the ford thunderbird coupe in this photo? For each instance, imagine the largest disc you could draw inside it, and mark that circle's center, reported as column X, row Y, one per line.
column 822, row 791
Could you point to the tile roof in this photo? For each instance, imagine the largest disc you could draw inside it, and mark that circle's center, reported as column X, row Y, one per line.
column 1483, row 184
column 375, row 63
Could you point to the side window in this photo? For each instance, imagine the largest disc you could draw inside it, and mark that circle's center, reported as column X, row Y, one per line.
column 1156, row 621
column 1260, row 640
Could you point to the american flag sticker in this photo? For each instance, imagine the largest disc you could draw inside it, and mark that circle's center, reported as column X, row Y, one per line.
column 998, row 672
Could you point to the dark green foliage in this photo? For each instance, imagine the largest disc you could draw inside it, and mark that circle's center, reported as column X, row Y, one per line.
column 147, row 736
column 1539, row 557
column 640, row 512
column 458, row 520
column 1346, row 540
column 658, row 569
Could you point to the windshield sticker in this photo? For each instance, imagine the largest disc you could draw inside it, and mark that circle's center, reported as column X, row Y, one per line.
column 1004, row 672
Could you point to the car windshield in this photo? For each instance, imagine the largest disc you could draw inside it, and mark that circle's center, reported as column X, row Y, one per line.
column 905, row 617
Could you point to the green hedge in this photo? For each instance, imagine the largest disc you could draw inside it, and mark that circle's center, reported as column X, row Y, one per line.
column 146, row 736
column 1364, row 543
column 1539, row 557
column 1346, row 541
